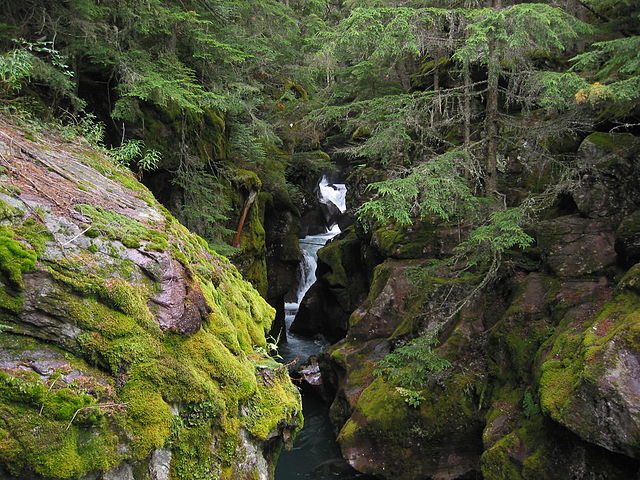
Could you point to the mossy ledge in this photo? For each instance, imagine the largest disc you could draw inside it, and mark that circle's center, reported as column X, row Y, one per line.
column 131, row 347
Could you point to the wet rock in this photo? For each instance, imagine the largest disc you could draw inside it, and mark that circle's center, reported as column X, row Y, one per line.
column 312, row 223
column 610, row 163
column 331, row 212
column 311, row 373
column 124, row 472
column 341, row 286
column 574, row 246
column 628, row 238
column 160, row 464
column 385, row 311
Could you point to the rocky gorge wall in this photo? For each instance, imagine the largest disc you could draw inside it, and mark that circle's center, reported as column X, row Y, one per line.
column 544, row 380
column 129, row 349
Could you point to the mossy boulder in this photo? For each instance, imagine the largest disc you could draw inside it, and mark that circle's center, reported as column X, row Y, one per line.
column 132, row 347
column 391, row 308
column 421, row 240
column 385, row 436
column 526, row 324
column 398, row 433
column 589, row 373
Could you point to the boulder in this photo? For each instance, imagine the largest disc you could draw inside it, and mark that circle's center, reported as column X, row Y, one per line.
column 572, row 246
column 609, row 167
column 589, row 373
column 129, row 348
column 341, row 285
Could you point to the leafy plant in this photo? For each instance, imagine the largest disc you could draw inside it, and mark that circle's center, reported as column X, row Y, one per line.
column 412, row 366
column 134, row 153
column 39, row 62
column 15, row 68
column 412, row 397
column 530, row 407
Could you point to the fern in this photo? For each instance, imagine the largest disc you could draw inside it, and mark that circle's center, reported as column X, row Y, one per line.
column 133, row 153
column 412, row 366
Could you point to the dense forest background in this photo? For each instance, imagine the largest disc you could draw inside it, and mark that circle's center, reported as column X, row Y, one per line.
column 437, row 94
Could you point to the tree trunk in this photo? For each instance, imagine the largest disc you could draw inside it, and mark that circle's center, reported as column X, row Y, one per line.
column 437, row 106
column 491, row 124
column 247, row 205
column 401, row 71
column 467, row 108
column 491, row 115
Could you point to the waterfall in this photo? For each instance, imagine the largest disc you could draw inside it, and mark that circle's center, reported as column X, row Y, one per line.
column 334, row 193
column 315, row 445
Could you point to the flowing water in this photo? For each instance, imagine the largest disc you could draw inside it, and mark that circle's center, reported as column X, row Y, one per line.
column 314, row 449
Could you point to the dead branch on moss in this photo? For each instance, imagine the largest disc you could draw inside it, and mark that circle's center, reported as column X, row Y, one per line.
column 92, row 407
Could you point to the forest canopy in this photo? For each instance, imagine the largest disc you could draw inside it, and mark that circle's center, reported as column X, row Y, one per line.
column 439, row 95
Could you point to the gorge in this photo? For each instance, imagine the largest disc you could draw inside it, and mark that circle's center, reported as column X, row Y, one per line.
column 313, row 239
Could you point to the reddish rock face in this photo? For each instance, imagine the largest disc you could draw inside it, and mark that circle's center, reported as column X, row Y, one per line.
column 574, row 246
column 181, row 305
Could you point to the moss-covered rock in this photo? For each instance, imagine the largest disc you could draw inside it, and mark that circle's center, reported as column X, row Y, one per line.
column 384, row 434
column 341, row 286
column 589, row 374
column 132, row 347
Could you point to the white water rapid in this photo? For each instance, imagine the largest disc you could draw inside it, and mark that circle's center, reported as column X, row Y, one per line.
column 315, row 445
column 300, row 347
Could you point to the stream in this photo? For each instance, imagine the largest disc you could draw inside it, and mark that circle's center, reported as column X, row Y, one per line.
column 315, row 450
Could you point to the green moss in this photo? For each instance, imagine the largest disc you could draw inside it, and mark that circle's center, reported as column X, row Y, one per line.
column 9, row 212
column 130, row 299
column 418, row 241
column 612, row 142
column 578, row 353
column 272, row 402
column 251, row 260
column 496, row 462
column 36, row 423
column 15, row 259
column 332, row 255
column 116, row 226
column 192, row 456
column 35, row 233
column 148, row 417
column 557, row 383
column 246, row 179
